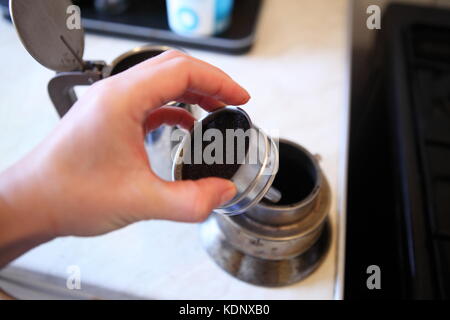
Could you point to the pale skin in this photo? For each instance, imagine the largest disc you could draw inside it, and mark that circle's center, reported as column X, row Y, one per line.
column 91, row 175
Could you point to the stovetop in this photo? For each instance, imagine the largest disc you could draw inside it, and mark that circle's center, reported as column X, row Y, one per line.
column 398, row 215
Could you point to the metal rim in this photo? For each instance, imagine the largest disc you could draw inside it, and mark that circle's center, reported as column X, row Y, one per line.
column 293, row 231
column 315, row 190
column 254, row 183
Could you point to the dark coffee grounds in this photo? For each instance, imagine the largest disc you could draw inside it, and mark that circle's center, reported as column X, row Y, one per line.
column 296, row 176
column 221, row 120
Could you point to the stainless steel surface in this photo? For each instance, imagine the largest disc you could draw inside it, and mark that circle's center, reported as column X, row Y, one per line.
column 277, row 242
column 42, row 28
column 278, row 215
column 263, row 272
column 253, row 178
column 160, row 146
column 273, row 195
column 61, row 88
column 259, row 248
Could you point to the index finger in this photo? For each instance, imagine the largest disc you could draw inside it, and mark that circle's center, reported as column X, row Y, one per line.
column 155, row 85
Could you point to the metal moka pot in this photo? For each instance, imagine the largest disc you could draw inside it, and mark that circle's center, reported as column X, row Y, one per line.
column 275, row 231
column 277, row 244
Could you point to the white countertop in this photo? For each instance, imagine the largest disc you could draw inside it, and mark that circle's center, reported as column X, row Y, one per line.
column 297, row 76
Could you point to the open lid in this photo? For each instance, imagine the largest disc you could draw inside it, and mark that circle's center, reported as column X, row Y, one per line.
column 46, row 29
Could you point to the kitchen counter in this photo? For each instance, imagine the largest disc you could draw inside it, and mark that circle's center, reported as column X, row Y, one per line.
column 297, row 76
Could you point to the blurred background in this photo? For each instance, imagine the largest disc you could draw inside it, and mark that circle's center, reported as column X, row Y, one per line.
column 372, row 102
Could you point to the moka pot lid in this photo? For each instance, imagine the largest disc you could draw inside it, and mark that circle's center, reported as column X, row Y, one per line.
column 51, row 32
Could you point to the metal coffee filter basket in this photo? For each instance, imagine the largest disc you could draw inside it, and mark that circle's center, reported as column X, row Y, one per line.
column 253, row 179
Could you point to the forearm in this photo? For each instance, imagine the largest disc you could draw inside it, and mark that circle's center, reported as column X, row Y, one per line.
column 21, row 227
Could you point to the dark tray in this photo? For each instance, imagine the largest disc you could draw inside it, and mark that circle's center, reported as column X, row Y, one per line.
column 147, row 20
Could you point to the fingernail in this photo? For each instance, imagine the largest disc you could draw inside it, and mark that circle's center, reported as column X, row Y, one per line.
column 247, row 95
column 227, row 195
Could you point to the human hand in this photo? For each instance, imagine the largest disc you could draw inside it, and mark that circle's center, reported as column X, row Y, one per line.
column 92, row 174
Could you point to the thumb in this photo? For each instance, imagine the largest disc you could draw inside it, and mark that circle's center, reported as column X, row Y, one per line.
column 193, row 201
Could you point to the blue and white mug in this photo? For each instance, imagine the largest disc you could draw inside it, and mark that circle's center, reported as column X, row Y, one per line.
column 199, row 18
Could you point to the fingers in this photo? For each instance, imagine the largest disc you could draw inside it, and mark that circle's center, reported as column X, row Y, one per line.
column 171, row 116
column 193, row 201
column 153, row 84
column 207, row 103
column 164, row 56
column 201, row 78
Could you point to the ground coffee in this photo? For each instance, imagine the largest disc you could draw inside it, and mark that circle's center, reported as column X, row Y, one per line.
column 221, row 120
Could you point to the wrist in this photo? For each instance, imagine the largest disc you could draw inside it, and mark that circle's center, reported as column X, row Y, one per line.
column 23, row 225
